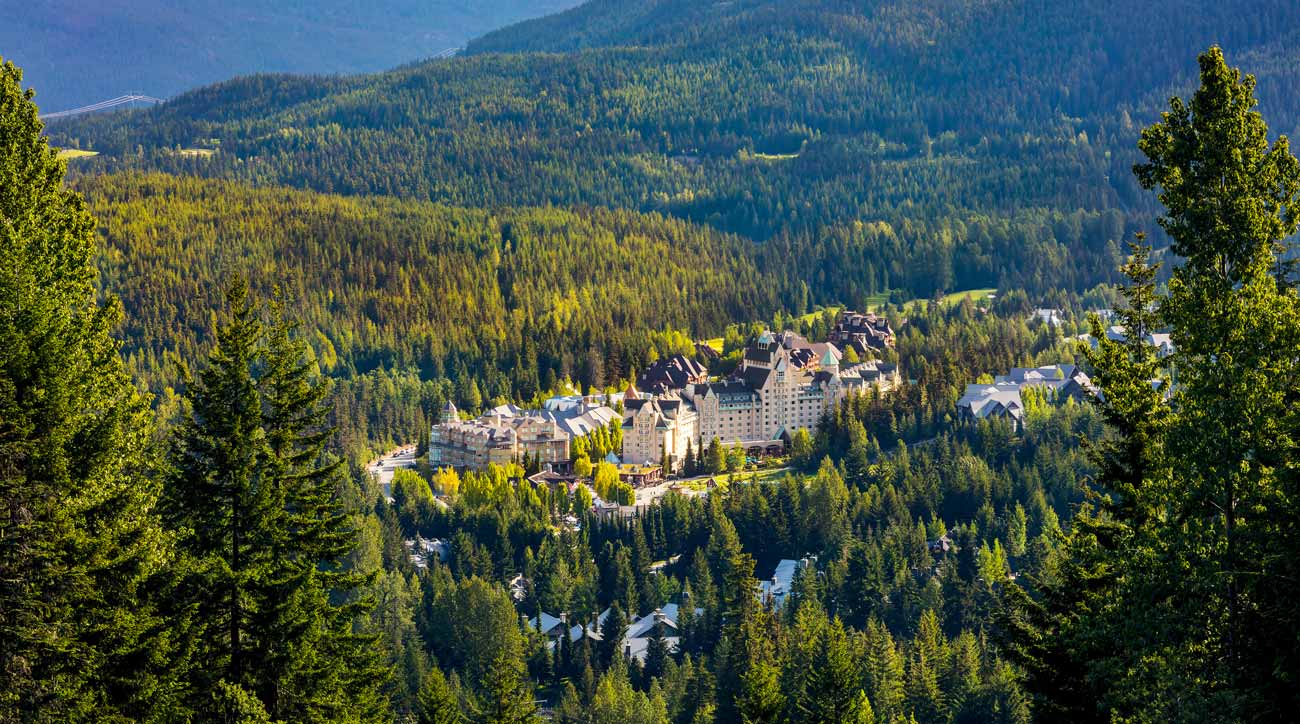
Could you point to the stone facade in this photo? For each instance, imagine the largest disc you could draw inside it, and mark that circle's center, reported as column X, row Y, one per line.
column 782, row 386
column 495, row 439
column 655, row 426
column 784, row 383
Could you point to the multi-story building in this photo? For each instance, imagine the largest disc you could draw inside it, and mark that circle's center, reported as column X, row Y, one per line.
column 780, row 388
column 496, row 438
column 863, row 332
column 776, row 391
column 656, row 427
column 784, row 383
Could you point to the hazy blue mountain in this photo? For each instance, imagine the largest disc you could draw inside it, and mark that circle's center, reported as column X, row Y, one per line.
column 922, row 146
column 76, row 52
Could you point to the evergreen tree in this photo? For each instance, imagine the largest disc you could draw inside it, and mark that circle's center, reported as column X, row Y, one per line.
column 835, row 682
column 1191, row 495
column 884, row 672
column 80, row 637
column 505, row 694
column 656, row 653
column 611, row 632
column 253, row 502
column 438, row 700
column 715, row 458
column 1230, row 203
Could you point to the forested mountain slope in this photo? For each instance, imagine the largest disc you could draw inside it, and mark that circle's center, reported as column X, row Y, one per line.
column 775, row 121
column 77, row 53
column 515, row 298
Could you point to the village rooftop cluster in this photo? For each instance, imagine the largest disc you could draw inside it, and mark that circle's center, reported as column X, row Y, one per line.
column 784, row 384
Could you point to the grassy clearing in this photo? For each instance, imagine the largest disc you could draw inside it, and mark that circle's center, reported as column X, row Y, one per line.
column 770, row 475
column 817, row 313
column 975, row 295
column 876, row 302
column 74, row 153
column 715, row 343
column 197, row 152
column 775, row 156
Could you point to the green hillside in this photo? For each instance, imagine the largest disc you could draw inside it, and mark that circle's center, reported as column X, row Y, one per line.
column 979, row 134
column 385, row 283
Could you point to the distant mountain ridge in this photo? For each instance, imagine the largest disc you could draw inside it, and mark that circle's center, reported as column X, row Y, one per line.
column 921, row 146
column 75, row 53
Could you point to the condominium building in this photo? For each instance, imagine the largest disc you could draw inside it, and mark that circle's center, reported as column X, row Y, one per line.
column 496, row 438
column 784, row 383
column 658, row 427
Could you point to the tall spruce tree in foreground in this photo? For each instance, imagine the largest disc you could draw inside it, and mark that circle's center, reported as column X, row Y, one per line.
column 1175, row 602
column 252, row 497
column 1231, row 200
column 79, row 541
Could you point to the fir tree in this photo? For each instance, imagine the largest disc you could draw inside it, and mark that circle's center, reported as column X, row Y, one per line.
column 253, row 501
column 1230, row 201
column 79, row 637
column 611, row 632
column 656, row 653
column 439, row 703
column 505, row 696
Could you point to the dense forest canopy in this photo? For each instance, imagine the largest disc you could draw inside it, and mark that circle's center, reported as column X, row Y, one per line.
column 968, row 130
column 379, row 282
column 303, row 271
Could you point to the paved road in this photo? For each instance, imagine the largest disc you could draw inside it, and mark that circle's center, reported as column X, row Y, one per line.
column 390, row 463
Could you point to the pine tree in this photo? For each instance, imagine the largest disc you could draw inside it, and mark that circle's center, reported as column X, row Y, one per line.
column 79, row 543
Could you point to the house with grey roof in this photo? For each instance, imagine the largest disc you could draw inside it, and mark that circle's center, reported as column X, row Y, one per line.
column 1162, row 341
column 777, row 590
column 671, row 373
column 1002, row 398
column 862, row 331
